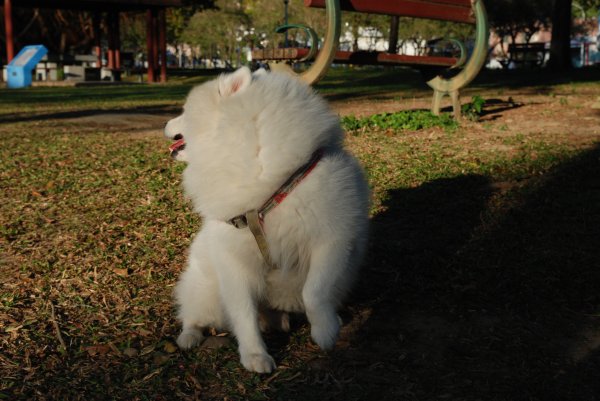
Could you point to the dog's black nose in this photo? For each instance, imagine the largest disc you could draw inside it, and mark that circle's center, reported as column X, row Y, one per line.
column 178, row 137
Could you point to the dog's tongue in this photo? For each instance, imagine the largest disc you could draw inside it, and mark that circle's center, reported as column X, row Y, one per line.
column 177, row 145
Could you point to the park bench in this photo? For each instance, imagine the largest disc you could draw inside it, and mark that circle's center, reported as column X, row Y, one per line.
column 451, row 73
column 527, row 54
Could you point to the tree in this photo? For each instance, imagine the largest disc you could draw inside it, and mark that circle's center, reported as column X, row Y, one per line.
column 267, row 15
column 511, row 19
column 419, row 32
column 562, row 30
column 560, row 47
column 218, row 32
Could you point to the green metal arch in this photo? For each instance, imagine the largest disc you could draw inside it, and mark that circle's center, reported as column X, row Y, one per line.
column 327, row 52
column 475, row 62
column 314, row 38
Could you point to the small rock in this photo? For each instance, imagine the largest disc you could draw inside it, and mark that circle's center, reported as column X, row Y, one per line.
column 147, row 350
column 169, row 347
column 159, row 358
column 131, row 352
column 213, row 342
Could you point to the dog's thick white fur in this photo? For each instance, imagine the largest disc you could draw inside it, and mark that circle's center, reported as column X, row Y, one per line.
column 245, row 134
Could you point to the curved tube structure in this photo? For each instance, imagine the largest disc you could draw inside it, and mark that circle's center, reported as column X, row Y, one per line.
column 449, row 86
column 314, row 39
column 442, row 84
column 327, row 52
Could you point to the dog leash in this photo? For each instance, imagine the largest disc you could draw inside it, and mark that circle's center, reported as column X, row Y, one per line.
column 254, row 219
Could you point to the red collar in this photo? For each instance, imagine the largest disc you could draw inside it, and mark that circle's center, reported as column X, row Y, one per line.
column 283, row 191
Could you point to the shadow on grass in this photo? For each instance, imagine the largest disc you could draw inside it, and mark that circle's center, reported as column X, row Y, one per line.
column 521, row 78
column 167, row 111
column 494, row 107
column 76, row 95
column 460, row 302
column 343, row 83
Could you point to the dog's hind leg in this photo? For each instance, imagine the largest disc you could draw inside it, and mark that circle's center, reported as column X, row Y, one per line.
column 331, row 273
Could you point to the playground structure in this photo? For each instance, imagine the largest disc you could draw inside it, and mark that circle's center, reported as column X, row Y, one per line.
column 109, row 11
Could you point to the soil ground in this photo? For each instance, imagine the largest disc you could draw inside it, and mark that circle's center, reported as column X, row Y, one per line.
column 476, row 286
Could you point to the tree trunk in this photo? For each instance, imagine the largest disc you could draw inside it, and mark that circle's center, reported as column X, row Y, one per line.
column 393, row 42
column 560, row 47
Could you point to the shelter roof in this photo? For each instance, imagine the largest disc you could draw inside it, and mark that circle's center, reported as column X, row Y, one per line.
column 98, row 5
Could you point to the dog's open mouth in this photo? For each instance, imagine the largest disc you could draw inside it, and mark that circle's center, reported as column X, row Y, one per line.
column 177, row 146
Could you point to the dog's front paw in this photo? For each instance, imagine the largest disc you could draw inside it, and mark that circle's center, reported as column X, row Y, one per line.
column 258, row 362
column 190, row 338
column 325, row 335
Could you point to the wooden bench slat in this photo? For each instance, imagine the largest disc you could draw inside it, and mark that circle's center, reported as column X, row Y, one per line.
column 392, row 59
column 445, row 10
column 360, row 57
column 289, row 53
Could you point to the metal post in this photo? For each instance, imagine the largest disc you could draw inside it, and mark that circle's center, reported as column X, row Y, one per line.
column 150, row 45
column 285, row 17
column 97, row 44
column 111, row 39
column 117, row 40
column 10, row 45
column 162, row 44
column 394, row 24
column 155, row 40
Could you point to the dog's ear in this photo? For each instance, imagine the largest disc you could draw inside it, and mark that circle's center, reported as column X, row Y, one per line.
column 236, row 82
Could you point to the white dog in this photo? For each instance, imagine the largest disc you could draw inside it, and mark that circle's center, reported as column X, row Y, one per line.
column 243, row 136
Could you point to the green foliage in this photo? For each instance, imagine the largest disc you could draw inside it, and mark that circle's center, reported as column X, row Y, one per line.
column 474, row 109
column 403, row 120
column 379, row 24
column 589, row 7
column 133, row 32
column 417, row 31
column 267, row 15
column 218, row 32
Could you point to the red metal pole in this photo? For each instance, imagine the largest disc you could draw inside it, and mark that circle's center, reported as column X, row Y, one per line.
column 162, row 38
column 117, row 41
column 150, row 45
column 155, row 41
column 97, row 44
column 10, row 44
column 111, row 40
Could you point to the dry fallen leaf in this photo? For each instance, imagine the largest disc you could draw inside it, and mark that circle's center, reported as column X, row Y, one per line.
column 101, row 349
column 170, row 347
column 131, row 352
column 121, row 272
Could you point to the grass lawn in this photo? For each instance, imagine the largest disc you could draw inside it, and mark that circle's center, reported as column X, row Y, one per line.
column 482, row 280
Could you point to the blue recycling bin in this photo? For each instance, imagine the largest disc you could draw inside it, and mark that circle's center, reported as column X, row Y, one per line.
column 19, row 70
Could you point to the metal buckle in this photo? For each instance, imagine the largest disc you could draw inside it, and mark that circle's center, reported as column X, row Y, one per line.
column 239, row 221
